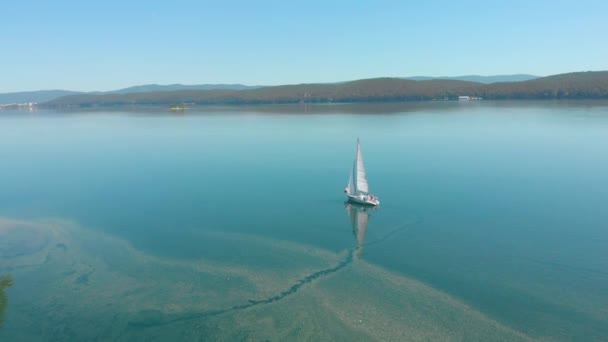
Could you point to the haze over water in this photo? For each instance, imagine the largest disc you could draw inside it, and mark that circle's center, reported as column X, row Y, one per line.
column 230, row 223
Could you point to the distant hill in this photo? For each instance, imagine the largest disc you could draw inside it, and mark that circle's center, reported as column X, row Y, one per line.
column 571, row 86
column 34, row 96
column 477, row 78
column 577, row 85
column 48, row 95
column 379, row 89
column 173, row 87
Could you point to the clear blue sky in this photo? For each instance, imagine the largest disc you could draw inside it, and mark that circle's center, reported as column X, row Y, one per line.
column 103, row 45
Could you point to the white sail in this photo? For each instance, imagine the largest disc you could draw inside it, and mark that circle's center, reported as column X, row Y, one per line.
column 359, row 172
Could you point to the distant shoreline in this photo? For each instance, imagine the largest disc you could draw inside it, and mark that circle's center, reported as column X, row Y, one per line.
column 580, row 85
column 364, row 108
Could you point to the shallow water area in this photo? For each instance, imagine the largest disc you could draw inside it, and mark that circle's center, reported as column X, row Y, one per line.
column 227, row 223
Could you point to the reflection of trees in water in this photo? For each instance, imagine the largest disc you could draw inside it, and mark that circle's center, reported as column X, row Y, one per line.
column 5, row 282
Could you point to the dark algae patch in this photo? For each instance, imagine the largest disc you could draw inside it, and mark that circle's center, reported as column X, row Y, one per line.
column 6, row 281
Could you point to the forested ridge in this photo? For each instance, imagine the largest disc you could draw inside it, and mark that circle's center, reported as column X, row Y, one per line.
column 579, row 85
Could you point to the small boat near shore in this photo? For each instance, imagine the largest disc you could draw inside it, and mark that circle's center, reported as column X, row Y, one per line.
column 357, row 189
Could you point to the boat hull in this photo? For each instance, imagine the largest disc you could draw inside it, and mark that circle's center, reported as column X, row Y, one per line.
column 363, row 199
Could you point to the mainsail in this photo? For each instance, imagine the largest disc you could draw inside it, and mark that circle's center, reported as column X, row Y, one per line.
column 359, row 176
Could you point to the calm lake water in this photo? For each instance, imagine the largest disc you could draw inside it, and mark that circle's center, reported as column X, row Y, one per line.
column 230, row 223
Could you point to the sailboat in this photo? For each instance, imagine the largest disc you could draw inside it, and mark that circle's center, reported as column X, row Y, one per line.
column 357, row 189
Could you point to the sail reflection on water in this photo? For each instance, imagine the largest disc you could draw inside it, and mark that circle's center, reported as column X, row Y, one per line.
column 359, row 218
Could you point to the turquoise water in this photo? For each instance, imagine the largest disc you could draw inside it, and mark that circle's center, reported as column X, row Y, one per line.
column 230, row 223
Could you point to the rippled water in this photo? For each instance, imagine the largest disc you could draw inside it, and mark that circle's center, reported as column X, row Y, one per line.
column 230, row 223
